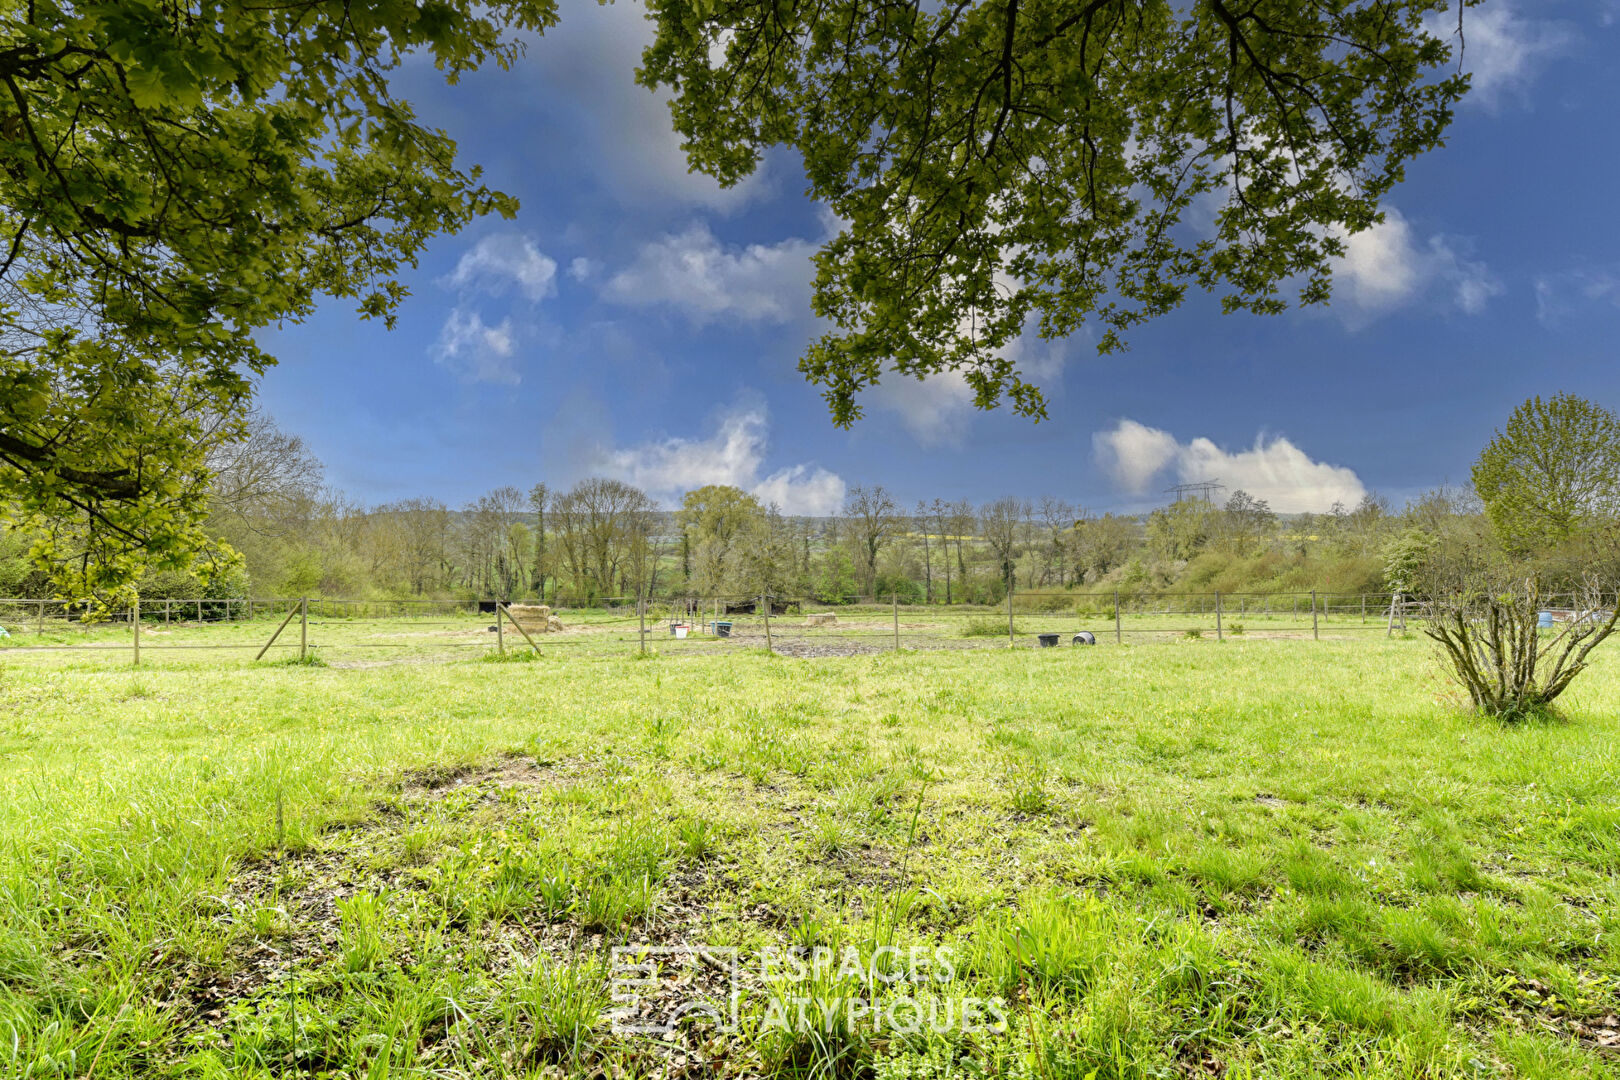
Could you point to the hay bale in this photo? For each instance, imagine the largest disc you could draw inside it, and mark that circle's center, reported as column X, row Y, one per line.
column 821, row 618
column 535, row 618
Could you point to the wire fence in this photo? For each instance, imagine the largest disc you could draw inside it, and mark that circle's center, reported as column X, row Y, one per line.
column 358, row 633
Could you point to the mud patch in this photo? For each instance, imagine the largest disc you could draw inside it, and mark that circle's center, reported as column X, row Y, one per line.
column 1592, row 1023
column 512, row 771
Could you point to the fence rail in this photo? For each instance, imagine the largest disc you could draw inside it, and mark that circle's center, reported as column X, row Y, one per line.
column 363, row 632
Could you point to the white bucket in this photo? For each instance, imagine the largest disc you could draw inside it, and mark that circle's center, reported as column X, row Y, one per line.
column 680, row 631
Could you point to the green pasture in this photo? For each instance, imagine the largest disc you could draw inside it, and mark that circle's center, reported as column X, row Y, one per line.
column 388, row 637
column 1240, row 858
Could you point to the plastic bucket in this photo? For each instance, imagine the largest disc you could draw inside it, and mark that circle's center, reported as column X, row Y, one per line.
column 1544, row 620
column 1085, row 637
column 722, row 629
column 681, row 630
column 1047, row 640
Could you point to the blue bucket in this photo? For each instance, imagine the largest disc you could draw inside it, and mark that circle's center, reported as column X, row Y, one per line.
column 722, row 629
column 1544, row 620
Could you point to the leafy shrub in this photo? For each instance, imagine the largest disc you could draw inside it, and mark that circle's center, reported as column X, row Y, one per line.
column 1490, row 643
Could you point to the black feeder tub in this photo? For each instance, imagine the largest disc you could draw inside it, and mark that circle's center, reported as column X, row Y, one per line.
column 1047, row 640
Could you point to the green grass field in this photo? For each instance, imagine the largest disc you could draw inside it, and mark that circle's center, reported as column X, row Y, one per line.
column 1248, row 858
column 449, row 634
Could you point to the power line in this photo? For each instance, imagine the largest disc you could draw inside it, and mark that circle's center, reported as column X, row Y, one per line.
column 1203, row 489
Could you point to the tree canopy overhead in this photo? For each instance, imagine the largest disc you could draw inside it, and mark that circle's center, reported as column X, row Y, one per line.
column 176, row 175
column 1068, row 162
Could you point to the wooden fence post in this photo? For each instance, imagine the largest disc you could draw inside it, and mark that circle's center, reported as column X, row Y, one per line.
column 507, row 610
column 765, row 606
column 1009, row 613
column 896, row 622
column 40, row 626
column 290, row 613
column 500, row 630
column 1119, row 637
column 135, row 624
column 641, row 614
column 1218, row 633
column 303, row 628
column 1316, row 633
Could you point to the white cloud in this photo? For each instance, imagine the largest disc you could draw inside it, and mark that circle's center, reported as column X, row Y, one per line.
column 1133, row 454
column 499, row 263
column 503, row 260
column 582, row 268
column 692, row 272
column 1276, row 470
column 802, row 489
column 589, row 61
column 733, row 455
column 475, row 351
column 1558, row 296
column 1388, row 267
column 935, row 410
column 1501, row 50
column 938, row 409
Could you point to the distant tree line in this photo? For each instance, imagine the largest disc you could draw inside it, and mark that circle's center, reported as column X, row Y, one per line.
column 1545, row 493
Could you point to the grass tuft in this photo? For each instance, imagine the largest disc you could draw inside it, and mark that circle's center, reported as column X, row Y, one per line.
column 988, row 626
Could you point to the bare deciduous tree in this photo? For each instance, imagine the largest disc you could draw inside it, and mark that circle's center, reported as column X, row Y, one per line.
column 872, row 519
column 1490, row 642
column 962, row 522
column 257, row 479
column 604, row 530
column 939, row 516
column 497, row 543
column 422, row 528
column 920, row 525
column 1057, row 518
column 539, row 499
column 1000, row 523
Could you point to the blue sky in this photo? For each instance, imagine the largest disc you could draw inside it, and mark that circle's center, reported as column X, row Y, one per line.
column 636, row 320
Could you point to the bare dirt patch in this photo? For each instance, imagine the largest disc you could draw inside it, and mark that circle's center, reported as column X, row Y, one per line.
column 516, row 770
